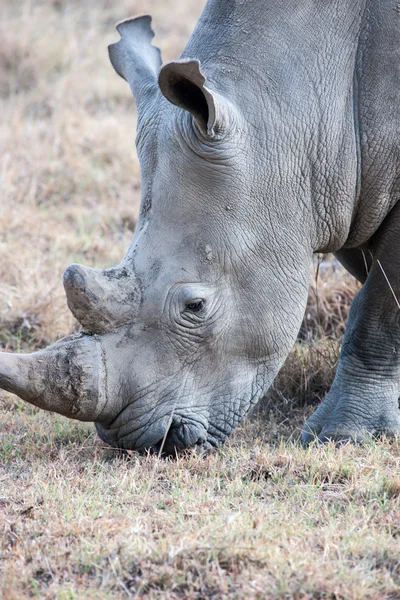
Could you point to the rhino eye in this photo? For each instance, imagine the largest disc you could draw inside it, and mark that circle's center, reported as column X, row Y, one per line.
column 195, row 305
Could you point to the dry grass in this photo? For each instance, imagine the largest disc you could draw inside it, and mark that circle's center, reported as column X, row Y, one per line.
column 69, row 176
column 251, row 521
column 262, row 518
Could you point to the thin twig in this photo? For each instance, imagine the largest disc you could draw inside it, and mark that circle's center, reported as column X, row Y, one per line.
column 156, row 463
column 387, row 280
column 317, row 270
column 389, row 284
column 365, row 262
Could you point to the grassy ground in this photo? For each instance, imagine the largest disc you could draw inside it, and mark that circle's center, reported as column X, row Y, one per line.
column 258, row 519
column 262, row 518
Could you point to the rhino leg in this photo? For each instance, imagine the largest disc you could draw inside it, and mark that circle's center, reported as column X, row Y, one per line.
column 364, row 398
column 356, row 261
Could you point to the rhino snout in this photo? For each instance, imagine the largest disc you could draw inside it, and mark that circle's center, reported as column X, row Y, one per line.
column 165, row 436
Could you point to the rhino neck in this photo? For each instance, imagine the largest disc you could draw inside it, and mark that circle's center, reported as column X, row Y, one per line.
column 378, row 125
column 321, row 32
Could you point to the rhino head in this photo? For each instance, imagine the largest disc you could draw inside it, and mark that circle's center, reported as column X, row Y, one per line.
column 189, row 330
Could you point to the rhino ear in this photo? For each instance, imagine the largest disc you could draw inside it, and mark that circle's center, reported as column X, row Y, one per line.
column 135, row 58
column 183, row 84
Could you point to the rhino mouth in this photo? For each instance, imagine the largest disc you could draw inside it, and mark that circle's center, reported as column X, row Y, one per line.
column 181, row 435
column 167, row 437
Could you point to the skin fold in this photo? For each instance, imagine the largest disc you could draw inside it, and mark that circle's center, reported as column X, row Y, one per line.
column 274, row 136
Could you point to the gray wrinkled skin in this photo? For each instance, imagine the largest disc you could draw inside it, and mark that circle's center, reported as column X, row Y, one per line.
column 275, row 136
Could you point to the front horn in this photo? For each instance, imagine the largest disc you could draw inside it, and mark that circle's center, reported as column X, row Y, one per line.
column 66, row 378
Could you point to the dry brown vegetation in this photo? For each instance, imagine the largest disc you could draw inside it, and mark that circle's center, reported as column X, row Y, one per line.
column 262, row 518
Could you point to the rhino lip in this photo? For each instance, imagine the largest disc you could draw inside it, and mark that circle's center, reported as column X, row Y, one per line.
column 181, row 435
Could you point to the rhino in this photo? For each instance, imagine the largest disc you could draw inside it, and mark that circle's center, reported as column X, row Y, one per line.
column 275, row 136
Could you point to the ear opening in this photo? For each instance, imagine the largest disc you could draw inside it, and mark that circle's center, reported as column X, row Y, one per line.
column 183, row 84
column 186, row 94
